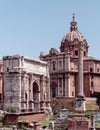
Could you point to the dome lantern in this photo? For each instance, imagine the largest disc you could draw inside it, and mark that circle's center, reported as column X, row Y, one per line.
column 73, row 24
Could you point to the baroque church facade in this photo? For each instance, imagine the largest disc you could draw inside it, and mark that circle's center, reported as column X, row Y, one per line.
column 63, row 66
column 25, row 84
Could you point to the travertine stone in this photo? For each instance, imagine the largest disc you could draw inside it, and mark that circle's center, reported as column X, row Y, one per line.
column 26, row 83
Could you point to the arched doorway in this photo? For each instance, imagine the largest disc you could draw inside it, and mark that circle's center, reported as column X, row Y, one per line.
column 36, row 95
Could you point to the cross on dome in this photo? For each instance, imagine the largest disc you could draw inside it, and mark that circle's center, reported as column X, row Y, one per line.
column 73, row 16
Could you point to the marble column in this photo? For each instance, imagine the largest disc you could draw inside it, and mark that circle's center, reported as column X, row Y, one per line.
column 80, row 100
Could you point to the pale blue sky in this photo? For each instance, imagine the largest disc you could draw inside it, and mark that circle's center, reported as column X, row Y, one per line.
column 28, row 27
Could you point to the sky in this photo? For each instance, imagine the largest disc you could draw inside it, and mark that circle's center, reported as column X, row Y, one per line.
column 28, row 27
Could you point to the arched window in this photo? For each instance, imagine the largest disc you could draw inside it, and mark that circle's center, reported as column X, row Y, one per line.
column 91, row 69
column 53, row 65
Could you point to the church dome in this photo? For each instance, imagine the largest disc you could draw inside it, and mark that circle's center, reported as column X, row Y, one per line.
column 74, row 33
column 72, row 39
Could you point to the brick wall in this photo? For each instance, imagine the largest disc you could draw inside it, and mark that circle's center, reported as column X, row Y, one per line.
column 33, row 117
column 87, row 85
column 12, row 119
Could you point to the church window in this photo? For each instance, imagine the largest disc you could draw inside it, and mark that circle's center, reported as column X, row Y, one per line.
column 26, row 96
column 53, row 92
column 91, row 69
column 53, row 64
column 91, row 84
column 76, row 52
column 84, row 53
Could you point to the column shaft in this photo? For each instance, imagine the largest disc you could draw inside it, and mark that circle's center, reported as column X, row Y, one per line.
column 80, row 71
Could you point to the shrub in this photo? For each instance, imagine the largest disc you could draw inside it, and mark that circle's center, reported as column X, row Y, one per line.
column 23, row 127
column 11, row 110
column 89, row 115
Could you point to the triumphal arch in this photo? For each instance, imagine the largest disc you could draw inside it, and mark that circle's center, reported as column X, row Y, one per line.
column 25, row 84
